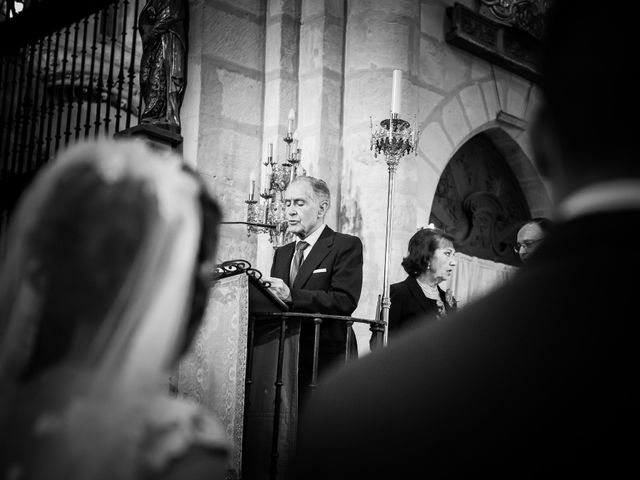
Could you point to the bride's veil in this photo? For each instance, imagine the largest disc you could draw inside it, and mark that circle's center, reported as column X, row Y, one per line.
column 140, row 329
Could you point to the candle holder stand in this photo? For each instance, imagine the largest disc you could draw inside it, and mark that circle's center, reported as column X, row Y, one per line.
column 394, row 139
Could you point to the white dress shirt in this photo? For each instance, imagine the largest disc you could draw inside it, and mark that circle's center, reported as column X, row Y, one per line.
column 311, row 240
column 601, row 197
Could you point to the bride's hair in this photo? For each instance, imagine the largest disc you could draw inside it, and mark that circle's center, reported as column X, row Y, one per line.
column 87, row 240
column 205, row 268
column 81, row 253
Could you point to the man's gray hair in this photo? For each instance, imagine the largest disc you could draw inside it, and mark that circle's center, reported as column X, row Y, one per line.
column 320, row 188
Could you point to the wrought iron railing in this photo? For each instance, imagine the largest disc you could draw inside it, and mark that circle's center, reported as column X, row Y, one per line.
column 285, row 319
column 59, row 86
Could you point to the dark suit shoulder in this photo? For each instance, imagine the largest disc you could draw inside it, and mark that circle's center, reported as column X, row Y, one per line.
column 280, row 250
column 284, row 247
column 347, row 238
column 396, row 288
column 400, row 288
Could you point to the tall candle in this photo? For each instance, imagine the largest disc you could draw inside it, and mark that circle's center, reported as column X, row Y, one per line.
column 270, row 150
column 252, row 185
column 267, row 180
column 292, row 116
column 396, row 91
column 261, row 179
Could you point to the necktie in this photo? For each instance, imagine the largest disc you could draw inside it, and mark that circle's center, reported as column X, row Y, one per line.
column 298, row 258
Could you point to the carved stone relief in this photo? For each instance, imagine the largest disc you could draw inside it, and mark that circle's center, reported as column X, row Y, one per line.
column 527, row 15
column 503, row 43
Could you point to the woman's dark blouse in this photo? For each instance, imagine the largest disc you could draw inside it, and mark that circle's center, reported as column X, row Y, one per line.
column 410, row 306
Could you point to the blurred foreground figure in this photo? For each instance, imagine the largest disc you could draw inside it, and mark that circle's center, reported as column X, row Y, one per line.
column 101, row 291
column 537, row 379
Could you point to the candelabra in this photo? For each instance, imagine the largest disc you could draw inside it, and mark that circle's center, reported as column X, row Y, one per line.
column 268, row 215
column 394, row 139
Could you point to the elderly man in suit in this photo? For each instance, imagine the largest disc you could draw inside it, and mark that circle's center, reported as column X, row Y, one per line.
column 535, row 380
column 321, row 272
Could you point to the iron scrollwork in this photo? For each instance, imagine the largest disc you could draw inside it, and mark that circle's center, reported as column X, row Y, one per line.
column 238, row 266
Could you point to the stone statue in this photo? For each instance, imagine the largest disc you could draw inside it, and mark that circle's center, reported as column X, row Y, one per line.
column 163, row 68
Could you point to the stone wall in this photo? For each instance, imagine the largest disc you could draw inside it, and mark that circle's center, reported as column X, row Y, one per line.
column 332, row 61
column 223, row 107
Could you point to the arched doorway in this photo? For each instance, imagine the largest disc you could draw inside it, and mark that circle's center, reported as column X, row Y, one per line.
column 479, row 201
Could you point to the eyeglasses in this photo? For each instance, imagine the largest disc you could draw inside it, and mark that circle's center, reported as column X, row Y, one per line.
column 526, row 244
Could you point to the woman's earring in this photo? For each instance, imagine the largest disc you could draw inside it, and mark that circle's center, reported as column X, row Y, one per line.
column 428, row 266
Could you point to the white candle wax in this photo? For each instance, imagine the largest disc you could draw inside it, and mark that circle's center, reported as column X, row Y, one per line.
column 292, row 116
column 267, row 180
column 263, row 179
column 270, row 150
column 396, row 91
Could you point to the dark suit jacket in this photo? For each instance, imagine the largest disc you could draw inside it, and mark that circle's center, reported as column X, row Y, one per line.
column 410, row 305
column 537, row 379
column 335, row 291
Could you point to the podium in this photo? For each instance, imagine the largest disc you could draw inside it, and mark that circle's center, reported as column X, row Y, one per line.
column 239, row 383
column 272, row 386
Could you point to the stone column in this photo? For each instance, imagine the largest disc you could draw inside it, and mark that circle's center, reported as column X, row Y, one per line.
column 320, row 94
column 280, row 90
column 222, row 110
column 380, row 36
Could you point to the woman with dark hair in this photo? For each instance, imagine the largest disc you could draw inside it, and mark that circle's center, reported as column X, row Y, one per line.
column 419, row 297
column 103, row 285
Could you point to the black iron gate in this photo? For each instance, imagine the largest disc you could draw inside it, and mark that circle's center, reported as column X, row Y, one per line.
column 68, row 71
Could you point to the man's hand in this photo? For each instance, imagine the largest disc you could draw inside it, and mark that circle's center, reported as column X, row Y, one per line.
column 278, row 287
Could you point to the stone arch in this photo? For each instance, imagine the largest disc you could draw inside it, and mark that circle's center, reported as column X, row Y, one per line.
column 467, row 113
column 479, row 201
column 510, row 146
column 461, row 117
column 533, row 188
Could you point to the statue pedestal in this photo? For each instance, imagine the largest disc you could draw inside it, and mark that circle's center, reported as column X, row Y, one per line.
column 157, row 137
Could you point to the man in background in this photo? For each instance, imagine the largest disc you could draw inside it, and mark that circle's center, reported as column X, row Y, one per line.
column 530, row 235
column 536, row 379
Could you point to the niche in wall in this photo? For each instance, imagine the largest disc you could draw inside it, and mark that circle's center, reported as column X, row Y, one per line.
column 479, row 201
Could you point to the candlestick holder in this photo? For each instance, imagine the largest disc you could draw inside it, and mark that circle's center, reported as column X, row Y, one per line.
column 253, row 214
column 395, row 139
column 269, row 214
column 393, row 142
column 281, row 176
